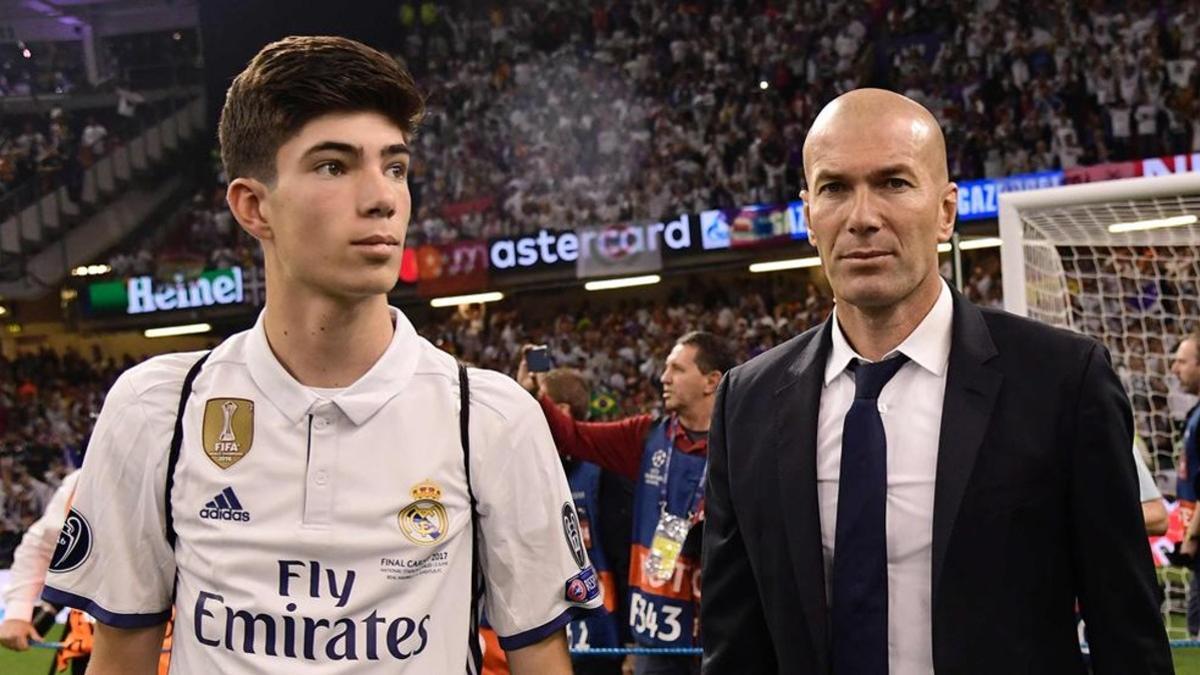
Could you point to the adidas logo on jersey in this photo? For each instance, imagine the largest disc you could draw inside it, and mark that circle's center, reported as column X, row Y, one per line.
column 225, row 506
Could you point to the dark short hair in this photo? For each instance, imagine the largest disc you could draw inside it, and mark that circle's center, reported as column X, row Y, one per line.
column 566, row 385
column 297, row 79
column 712, row 352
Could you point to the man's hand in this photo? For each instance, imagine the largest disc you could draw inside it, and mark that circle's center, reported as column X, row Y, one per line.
column 17, row 634
column 1189, row 546
column 524, row 377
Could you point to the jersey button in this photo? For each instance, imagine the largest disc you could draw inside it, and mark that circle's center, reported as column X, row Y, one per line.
column 321, row 477
column 321, row 422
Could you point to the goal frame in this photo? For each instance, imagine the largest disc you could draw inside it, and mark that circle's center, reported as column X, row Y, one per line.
column 1012, row 232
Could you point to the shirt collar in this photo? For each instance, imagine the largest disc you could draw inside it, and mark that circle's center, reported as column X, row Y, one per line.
column 360, row 400
column 928, row 345
column 679, row 438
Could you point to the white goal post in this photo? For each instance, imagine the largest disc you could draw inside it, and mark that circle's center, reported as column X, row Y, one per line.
column 1120, row 261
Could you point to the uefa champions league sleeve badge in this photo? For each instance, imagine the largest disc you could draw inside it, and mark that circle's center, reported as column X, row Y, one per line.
column 74, row 543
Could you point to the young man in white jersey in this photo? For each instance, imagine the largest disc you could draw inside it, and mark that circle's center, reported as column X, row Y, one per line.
column 313, row 494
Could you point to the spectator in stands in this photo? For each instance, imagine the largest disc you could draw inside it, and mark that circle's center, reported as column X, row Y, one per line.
column 47, row 406
column 92, row 140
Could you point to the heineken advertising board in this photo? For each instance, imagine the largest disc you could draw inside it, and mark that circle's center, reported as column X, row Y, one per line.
column 145, row 294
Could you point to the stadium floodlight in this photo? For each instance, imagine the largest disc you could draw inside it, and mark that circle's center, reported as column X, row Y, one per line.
column 90, row 270
column 1152, row 224
column 789, row 264
column 970, row 244
column 623, row 282
column 474, row 298
column 3, row 310
column 173, row 331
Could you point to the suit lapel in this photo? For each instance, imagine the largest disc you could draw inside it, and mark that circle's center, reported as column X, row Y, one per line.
column 794, row 428
column 971, row 390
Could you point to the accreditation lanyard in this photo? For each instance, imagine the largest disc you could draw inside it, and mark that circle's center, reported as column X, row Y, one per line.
column 672, row 530
column 696, row 500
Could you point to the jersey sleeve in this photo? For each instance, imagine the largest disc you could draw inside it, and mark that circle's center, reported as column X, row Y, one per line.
column 112, row 559
column 538, row 576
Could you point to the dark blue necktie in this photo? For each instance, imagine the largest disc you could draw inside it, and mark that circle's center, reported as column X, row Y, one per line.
column 860, row 588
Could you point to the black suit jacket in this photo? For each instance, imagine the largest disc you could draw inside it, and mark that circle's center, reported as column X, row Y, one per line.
column 1036, row 504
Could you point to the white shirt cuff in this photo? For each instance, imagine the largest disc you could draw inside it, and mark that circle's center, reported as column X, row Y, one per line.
column 20, row 609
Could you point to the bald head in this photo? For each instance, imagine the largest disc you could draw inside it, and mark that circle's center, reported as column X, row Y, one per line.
column 878, row 201
column 904, row 122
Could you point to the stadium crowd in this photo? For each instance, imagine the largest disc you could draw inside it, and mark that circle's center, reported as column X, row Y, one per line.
column 42, row 68
column 50, row 68
column 50, row 148
column 563, row 115
column 48, row 404
column 556, row 115
column 1139, row 301
column 202, row 234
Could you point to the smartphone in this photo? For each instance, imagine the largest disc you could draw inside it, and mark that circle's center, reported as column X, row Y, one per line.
column 538, row 359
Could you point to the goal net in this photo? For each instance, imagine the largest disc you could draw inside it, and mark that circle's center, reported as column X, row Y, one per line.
column 1119, row 261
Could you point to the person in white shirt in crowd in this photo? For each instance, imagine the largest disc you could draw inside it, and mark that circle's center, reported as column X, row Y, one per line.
column 28, row 573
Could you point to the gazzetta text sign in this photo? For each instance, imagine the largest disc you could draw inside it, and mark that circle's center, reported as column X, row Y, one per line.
column 979, row 199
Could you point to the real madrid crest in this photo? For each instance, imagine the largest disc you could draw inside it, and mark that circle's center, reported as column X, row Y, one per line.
column 228, row 430
column 424, row 521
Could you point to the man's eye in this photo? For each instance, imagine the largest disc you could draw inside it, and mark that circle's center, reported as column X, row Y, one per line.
column 330, row 169
column 830, row 187
column 398, row 171
column 897, row 183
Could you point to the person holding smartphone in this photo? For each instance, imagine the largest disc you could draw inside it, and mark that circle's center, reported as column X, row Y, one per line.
column 666, row 457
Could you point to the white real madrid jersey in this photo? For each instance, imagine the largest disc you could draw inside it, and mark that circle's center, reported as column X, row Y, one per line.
column 331, row 535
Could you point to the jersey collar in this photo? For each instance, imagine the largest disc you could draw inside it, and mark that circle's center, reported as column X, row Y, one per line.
column 361, row 400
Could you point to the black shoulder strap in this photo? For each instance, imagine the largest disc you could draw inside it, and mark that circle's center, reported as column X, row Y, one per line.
column 475, row 654
column 177, row 443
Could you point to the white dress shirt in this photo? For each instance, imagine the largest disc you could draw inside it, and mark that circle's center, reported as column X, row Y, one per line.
column 911, row 408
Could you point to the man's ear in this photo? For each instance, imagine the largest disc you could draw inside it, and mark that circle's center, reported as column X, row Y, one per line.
column 564, row 407
column 807, row 218
column 711, row 382
column 948, row 212
column 247, row 199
